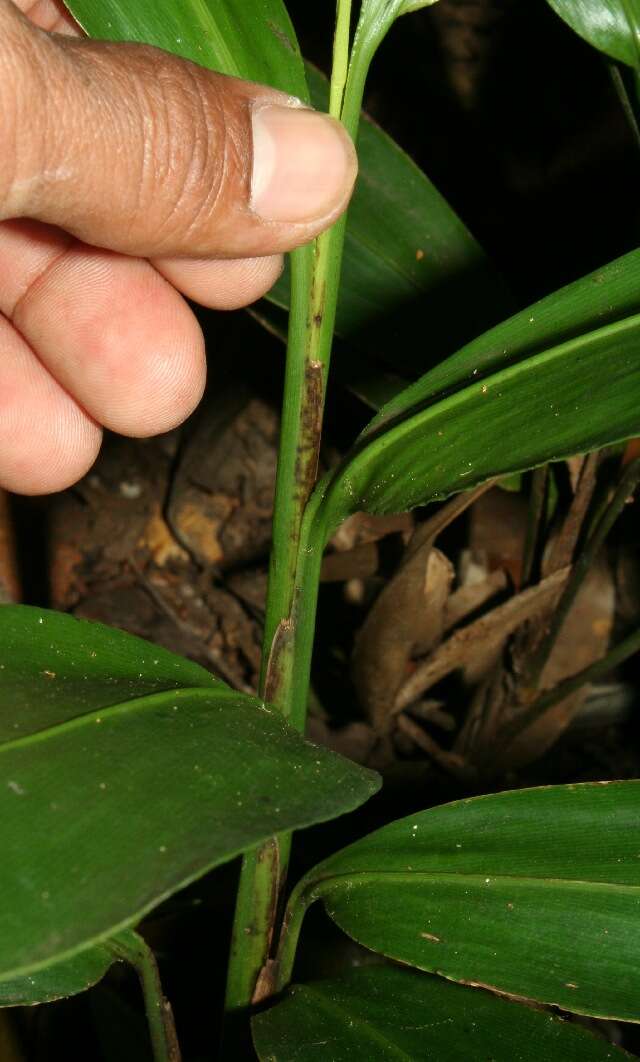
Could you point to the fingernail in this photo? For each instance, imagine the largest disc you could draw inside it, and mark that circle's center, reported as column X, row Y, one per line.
column 304, row 164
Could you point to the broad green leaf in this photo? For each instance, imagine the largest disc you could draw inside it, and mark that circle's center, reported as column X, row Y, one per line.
column 58, row 981
column 534, row 892
column 106, row 809
column 248, row 40
column 386, row 1012
column 407, row 254
column 559, row 378
column 55, row 667
column 612, row 26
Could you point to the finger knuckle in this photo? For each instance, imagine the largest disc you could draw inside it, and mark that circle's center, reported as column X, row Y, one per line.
column 199, row 148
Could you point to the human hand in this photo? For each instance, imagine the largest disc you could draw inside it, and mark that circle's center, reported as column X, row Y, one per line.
column 128, row 176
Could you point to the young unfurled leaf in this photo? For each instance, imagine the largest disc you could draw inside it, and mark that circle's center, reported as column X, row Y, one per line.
column 612, row 26
column 121, row 780
column 534, row 892
column 388, row 1012
column 375, row 21
column 232, row 36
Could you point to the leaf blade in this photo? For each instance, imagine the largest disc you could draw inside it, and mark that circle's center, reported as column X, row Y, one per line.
column 56, row 666
column 230, row 36
column 398, row 1013
column 166, row 785
column 516, row 397
column 511, row 891
column 612, row 26
column 60, row 981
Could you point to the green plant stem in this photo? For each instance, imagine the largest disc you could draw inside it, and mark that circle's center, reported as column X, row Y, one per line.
column 301, row 899
column 253, row 923
column 626, row 485
column 315, row 277
column 133, row 949
column 295, row 565
column 308, row 352
column 293, row 460
column 340, row 58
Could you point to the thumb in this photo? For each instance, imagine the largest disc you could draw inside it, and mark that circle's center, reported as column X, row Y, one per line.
column 133, row 149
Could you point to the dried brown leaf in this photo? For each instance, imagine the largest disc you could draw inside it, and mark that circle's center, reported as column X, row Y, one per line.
column 488, row 633
column 408, row 613
column 470, row 598
column 584, row 639
column 563, row 543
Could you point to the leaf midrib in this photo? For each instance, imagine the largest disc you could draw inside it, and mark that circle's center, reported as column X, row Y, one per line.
column 347, row 880
column 147, row 701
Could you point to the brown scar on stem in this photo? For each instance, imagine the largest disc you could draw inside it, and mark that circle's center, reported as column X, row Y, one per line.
column 308, row 447
column 281, row 638
column 266, row 980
